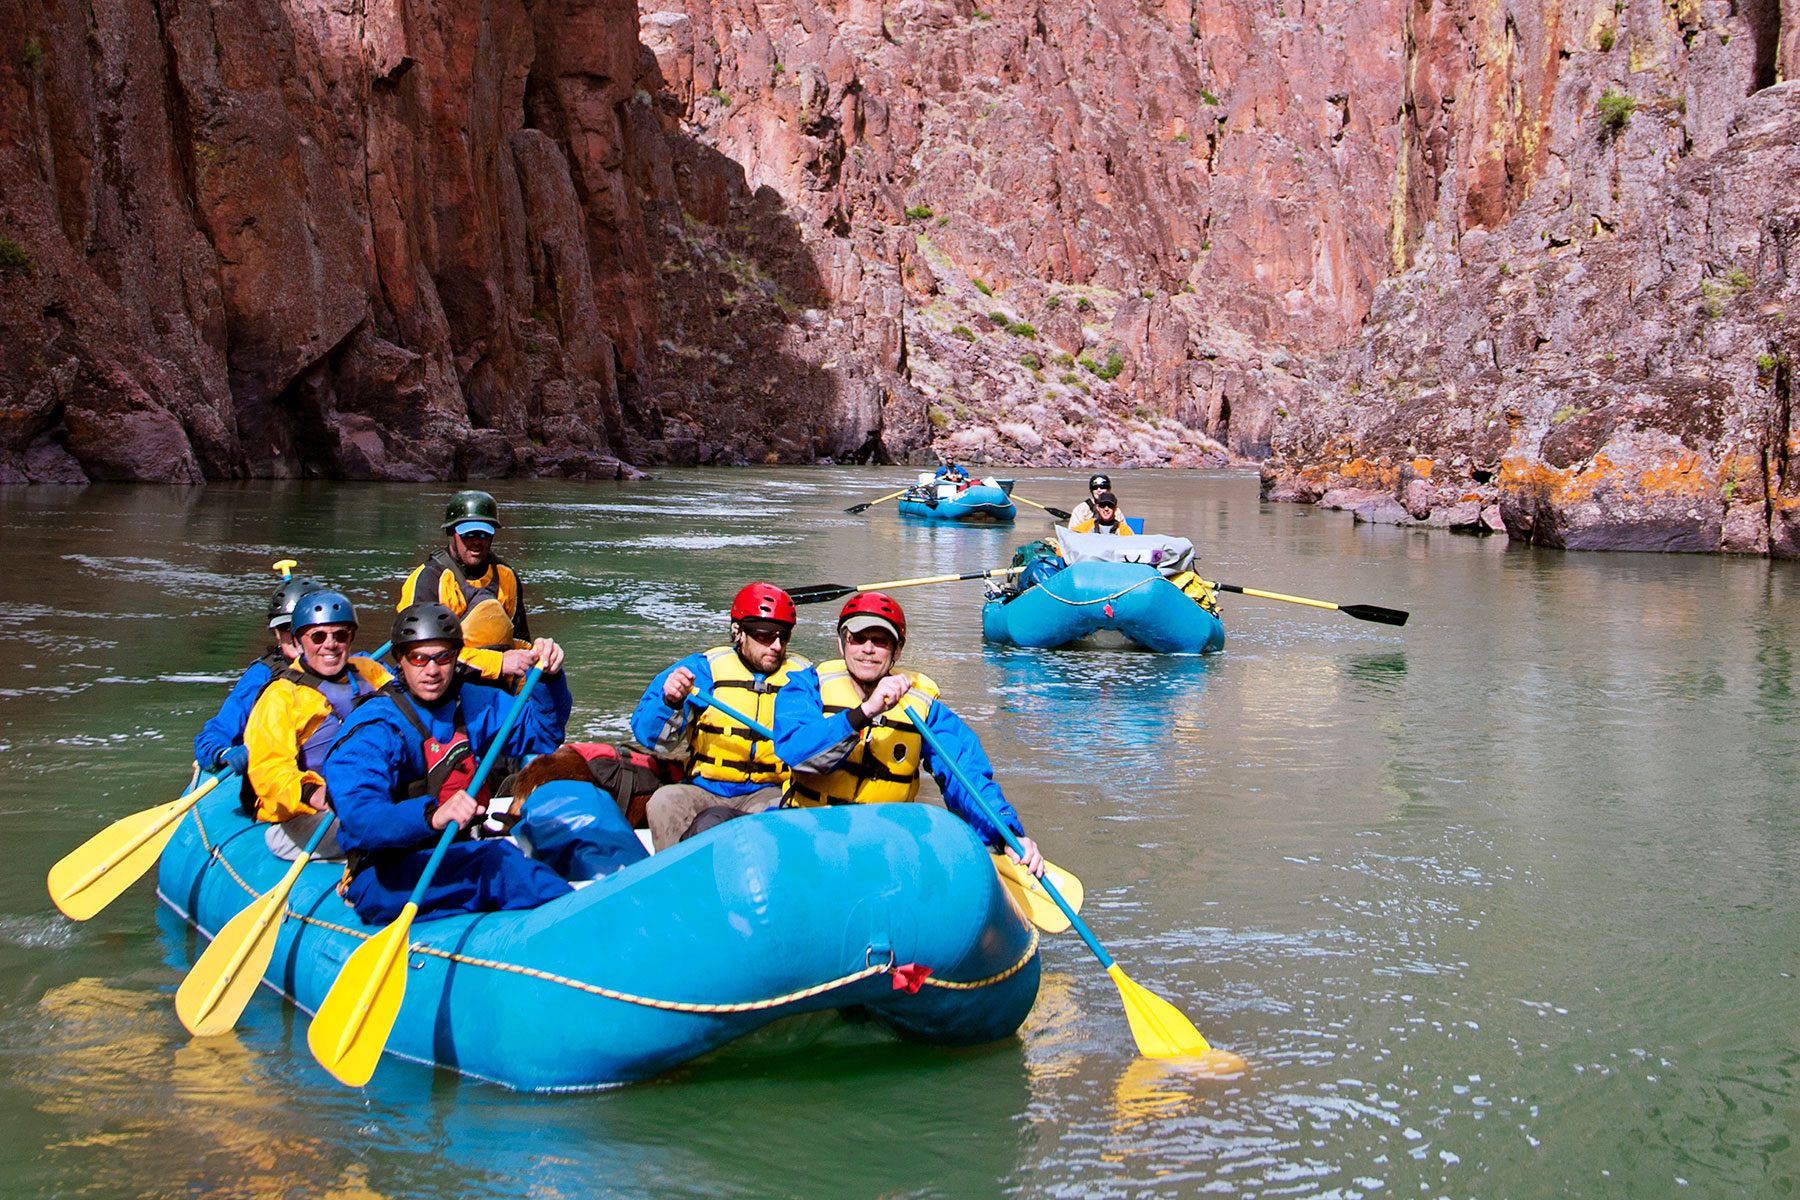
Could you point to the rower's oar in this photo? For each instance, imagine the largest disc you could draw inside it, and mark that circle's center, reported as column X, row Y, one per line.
column 1159, row 1027
column 214, row 994
column 818, row 593
column 91, row 876
column 856, row 508
column 1362, row 612
column 380, row 650
column 1058, row 513
column 352, row 1025
column 1022, row 884
column 285, row 567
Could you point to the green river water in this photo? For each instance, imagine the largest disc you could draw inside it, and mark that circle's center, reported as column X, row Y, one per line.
column 1500, row 904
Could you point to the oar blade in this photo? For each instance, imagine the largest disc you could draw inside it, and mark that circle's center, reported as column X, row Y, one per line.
column 1159, row 1027
column 95, row 873
column 819, row 593
column 856, row 508
column 351, row 1027
column 212, row 997
column 1374, row 612
column 1058, row 513
column 1033, row 901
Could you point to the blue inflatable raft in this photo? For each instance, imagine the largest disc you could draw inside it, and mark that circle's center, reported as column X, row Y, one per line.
column 762, row 918
column 982, row 501
column 1086, row 597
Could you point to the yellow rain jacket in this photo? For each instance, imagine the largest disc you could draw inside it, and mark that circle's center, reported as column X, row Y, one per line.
column 290, row 729
column 884, row 766
column 490, row 606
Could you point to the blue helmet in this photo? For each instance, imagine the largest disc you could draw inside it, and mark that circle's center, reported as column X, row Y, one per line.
column 323, row 608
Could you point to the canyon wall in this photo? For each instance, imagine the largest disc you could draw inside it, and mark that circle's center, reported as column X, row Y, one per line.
column 1464, row 262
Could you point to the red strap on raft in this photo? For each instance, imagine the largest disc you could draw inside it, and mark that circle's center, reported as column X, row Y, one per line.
column 910, row 977
column 1107, row 608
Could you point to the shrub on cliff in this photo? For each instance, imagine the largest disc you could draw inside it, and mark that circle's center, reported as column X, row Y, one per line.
column 919, row 212
column 1616, row 108
column 14, row 257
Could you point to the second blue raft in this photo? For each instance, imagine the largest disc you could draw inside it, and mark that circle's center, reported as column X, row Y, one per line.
column 1087, row 597
column 674, row 956
column 979, row 502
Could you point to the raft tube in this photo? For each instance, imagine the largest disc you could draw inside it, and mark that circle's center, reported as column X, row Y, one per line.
column 979, row 502
column 1086, row 597
column 674, row 956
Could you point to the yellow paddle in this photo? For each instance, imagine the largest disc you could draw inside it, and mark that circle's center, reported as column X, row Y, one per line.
column 1021, row 884
column 1058, row 513
column 350, row 1029
column 1159, row 1027
column 818, row 593
column 214, row 994
column 1362, row 612
column 856, row 508
column 91, row 876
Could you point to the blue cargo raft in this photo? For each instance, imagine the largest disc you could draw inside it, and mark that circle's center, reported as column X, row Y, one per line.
column 983, row 501
column 894, row 908
column 1090, row 596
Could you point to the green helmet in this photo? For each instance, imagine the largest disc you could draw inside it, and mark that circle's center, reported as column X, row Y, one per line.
column 471, row 509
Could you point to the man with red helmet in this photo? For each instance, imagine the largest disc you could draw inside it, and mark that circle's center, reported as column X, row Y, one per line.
column 728, row 764
column 847, row 728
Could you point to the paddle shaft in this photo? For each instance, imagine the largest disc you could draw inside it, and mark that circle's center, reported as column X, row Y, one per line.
column 708, row 700
column 1058, row 513
column 987, row 810
column 856, row 508
column 821, row 592
column 1362, row 612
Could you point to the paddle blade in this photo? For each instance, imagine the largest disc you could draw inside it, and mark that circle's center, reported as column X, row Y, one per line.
column 212, row 997
column 856, row 508
column 352, row 1025
column 1058, row 513
column 1033, row 901
column 95, row 873
column 819, row 593
column 1160, row 1029
column 1374, row 612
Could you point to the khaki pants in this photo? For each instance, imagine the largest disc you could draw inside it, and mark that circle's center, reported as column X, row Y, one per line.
column 674, row 806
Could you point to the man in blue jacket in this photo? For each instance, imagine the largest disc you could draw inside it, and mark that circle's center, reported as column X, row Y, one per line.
column 398, row 773
column 220, row 742
column 846, row 728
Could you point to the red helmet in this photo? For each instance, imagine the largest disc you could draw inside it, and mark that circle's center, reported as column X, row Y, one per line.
column 763, row 601
column 880, row 606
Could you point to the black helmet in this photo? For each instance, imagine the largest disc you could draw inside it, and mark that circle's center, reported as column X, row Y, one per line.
column 471, row 506
column 323, row 608
column 425, row 622
column 281, row 605
column 1099, row 481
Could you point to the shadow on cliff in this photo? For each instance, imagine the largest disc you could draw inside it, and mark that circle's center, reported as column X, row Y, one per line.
column 739, row 294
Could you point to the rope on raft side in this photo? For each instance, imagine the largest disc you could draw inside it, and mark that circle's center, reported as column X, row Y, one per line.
column 869, row 972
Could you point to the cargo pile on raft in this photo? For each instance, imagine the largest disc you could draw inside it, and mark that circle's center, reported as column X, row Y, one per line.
column 403, row 842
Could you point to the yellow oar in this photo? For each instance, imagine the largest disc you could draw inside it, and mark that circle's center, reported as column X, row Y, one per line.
column 1159, row 1027
column 214, row 994
column 1362, row 612
column 818, row 593
column 856, row 508
column 1032, row 899
column 91, row 876
column 350, row 1029
column 1058, row 513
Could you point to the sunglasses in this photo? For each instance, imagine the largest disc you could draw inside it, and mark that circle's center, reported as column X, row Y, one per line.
column 767, row 636
column 421, row 658
column 340, row 637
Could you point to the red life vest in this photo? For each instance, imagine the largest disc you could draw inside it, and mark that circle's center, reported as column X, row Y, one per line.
column 449, row 766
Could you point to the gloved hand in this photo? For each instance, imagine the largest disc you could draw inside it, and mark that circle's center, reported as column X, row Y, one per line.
column 235, row 757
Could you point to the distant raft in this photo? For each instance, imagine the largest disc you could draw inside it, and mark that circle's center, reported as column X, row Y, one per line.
column 1132, row 598
column 984, row 501
column 894, row 908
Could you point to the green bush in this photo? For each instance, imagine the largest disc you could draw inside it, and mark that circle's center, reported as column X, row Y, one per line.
column 1083, row 304
column 1023, row 329
column 919, row 212
column 1208, row 98
column 721, row 95
column 14, row 257
column 34, row 54
column 963, row 332
column 1052, row 304
column 1071, row 377
column 938, row 417
column 1115, row 363
column 982, row 287
column 1615, row 109
column 1606, row 39
column 1766, row 364
column 1031, row 361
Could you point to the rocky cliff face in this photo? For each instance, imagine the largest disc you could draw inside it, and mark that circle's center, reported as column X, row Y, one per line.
column 1466, row 262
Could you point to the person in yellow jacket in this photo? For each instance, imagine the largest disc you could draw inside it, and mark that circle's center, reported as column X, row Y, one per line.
column 1106, row 518
column 729, row 766
column 298, row 715
column 847, row 727
column 478, row 586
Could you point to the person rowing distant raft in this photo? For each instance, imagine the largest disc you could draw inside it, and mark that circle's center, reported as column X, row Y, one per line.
column 478, row 586
column 951, row 471
column 848, row 728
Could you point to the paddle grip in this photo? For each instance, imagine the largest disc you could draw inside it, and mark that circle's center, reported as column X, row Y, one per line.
column 480, row 777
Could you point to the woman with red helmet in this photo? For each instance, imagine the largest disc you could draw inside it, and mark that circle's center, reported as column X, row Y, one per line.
column 728, row 764
column 849, row 729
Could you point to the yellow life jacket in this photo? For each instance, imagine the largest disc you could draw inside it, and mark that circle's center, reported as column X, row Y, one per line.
column 724, row 747
column 884, row 766
column 487, row 606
